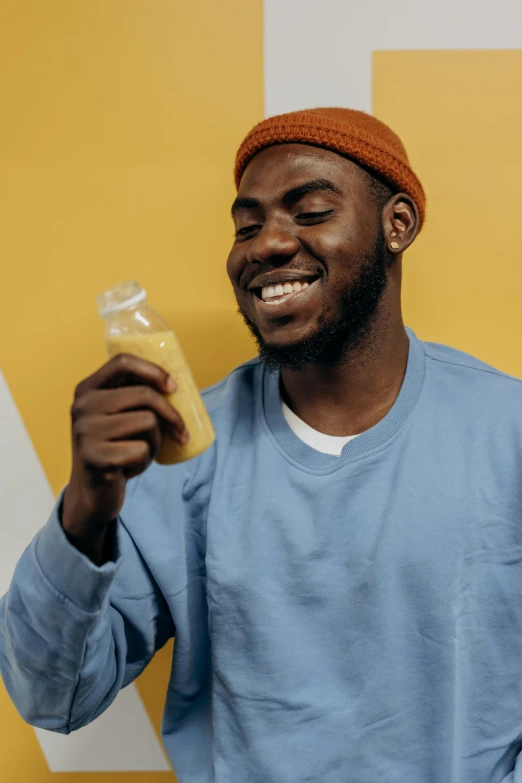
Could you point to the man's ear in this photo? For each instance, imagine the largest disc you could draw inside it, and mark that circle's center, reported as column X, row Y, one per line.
column 401, row 223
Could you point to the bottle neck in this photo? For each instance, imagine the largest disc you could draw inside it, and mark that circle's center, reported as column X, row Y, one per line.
column 123, row 297
column 137, row 319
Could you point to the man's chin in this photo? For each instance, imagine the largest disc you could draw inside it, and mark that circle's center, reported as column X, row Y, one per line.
column 284, row 341
column 324, row 345
column 286, row 349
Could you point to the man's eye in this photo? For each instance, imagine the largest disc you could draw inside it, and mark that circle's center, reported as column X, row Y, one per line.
column 314, row 215
column 241, row 232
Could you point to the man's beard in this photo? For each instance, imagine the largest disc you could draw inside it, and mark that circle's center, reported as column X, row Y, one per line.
column 341, row 336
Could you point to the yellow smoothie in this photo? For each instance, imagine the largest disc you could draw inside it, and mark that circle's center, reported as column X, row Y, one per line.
column 163, row 349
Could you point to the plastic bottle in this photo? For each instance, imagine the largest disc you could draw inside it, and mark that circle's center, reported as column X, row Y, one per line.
column 131, row 326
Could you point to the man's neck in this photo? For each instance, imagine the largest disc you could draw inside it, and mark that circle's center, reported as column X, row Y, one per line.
column 357, row 391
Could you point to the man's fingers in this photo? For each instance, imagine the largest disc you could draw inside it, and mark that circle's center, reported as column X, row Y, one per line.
column 122, row 426
column 106, row 404
column 138, row 397
column 110, row 457
column 125, row 370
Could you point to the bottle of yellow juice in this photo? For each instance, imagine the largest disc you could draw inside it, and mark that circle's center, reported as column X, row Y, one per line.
column 131, row 326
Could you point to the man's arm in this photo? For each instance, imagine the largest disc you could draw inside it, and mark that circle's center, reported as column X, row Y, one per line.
column 64, row 643
column 66, row 649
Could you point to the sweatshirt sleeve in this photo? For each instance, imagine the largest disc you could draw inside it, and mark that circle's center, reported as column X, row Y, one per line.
column 65, row 647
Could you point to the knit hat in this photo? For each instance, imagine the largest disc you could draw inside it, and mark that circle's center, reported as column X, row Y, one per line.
column 354, row 134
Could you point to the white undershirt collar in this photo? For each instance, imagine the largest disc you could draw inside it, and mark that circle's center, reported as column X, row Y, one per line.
column 327, row 444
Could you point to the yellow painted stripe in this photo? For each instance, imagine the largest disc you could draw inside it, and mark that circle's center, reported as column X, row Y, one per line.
column 461, row 120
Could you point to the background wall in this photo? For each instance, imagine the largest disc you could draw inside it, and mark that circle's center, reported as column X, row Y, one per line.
column 446, row 76
column 120, row 120
column 119, row 124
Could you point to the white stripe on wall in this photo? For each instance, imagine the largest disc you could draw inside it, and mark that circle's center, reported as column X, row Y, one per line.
column 320, row 53
column 122, row 739
column 26, row 500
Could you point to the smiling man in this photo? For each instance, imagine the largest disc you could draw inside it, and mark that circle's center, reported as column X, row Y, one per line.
column 342, row 570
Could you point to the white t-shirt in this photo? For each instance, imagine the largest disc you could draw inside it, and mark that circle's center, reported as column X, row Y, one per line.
column 328, row 444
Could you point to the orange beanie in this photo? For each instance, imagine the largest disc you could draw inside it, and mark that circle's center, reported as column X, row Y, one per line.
column 357, row 135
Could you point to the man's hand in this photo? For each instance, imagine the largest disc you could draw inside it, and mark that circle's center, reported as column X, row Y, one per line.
column 118, row 417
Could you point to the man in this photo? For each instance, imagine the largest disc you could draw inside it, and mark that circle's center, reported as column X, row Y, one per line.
column 342, row 571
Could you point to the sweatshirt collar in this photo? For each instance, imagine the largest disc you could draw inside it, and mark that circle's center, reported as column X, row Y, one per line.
column 366, row 442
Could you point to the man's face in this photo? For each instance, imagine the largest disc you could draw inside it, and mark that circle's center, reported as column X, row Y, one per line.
column 305, row 218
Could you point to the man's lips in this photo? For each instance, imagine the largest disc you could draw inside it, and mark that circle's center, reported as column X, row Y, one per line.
column 286, row 304
column 278, row 278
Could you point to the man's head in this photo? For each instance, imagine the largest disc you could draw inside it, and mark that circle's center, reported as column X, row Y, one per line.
column 326, row 199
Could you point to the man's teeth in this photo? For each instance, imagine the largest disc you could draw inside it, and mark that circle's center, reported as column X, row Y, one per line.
column 272, row 291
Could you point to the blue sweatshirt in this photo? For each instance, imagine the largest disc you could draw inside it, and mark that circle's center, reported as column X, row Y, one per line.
column 353, row 619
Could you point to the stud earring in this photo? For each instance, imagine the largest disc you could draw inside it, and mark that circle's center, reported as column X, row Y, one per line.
column 394, row 245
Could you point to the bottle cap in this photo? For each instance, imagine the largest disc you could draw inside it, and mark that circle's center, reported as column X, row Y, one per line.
column 121, row 297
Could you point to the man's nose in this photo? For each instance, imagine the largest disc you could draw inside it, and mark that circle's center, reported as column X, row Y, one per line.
column 272, row 244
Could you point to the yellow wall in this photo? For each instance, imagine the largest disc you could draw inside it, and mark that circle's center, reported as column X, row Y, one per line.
column 120, row 120
column 460, row 116
column 119, row 124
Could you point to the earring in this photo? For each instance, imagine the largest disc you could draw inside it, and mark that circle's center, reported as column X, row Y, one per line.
column 394, row 245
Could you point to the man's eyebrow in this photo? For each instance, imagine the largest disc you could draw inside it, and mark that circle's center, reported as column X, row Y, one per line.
column 244, row 203
column 293, row 195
